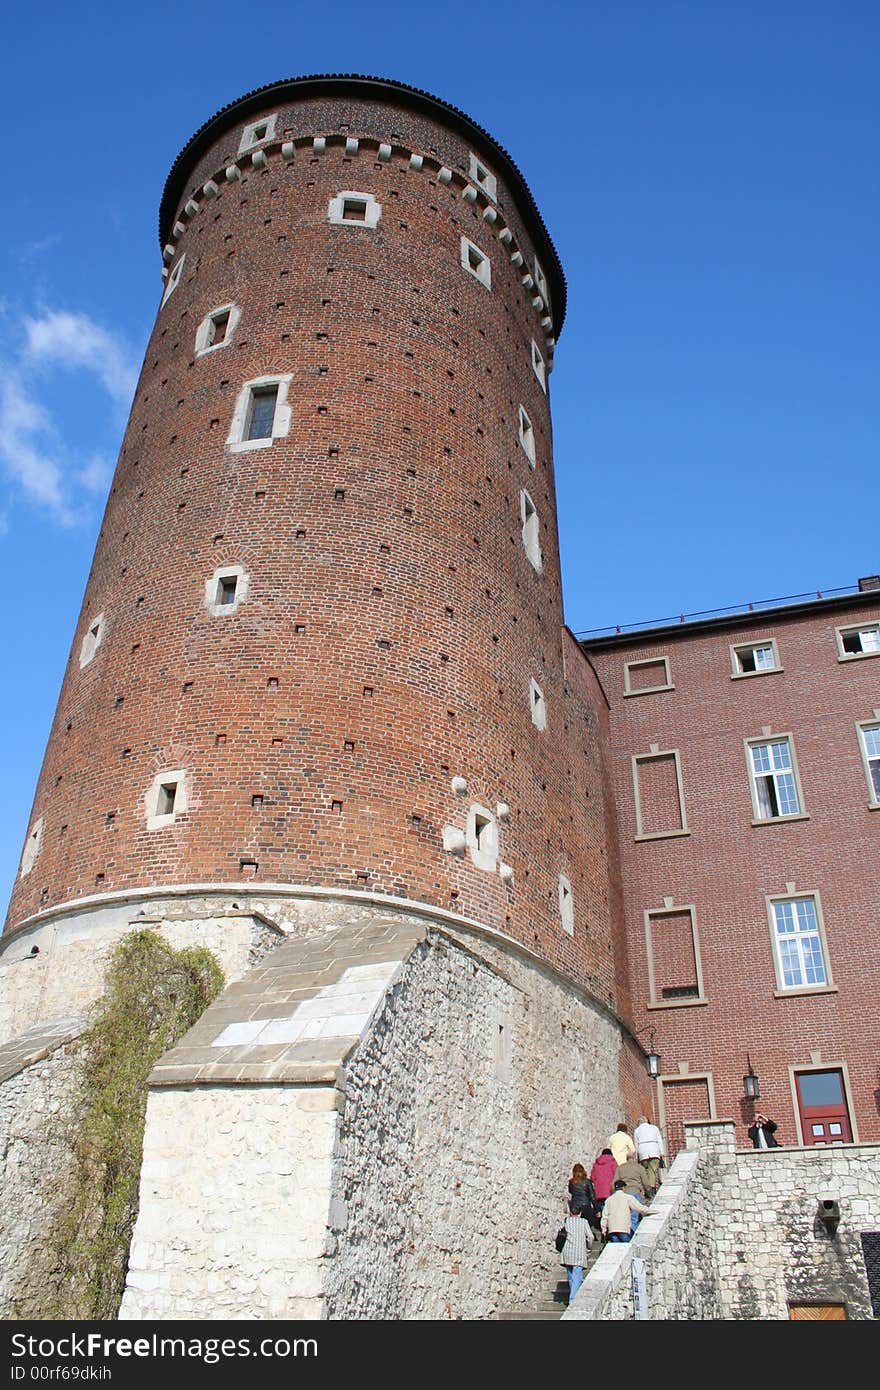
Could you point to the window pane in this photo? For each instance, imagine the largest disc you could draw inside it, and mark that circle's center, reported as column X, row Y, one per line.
column 262, row 413
column 870, row 639
column 821, row 1087
column 787, row 795
column 764, row 659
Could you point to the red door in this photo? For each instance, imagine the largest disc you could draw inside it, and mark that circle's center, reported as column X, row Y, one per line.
column 822, row 1104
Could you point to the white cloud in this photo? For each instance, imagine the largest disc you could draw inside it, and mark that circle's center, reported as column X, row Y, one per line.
column 74, row 340
column 96, row 475
column 24, row 431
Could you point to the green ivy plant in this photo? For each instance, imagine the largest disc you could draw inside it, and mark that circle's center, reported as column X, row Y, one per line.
column 154, row 994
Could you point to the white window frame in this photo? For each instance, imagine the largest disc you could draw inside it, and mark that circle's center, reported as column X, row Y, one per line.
column 204, row 335
column 531, row 531
column 527, row 435
column 236, row 442
column 336, row 210
column 537, row 705
column 32, row 846
column 173, row 280
column 249, row 138
column 178, row 777
column 541, row 280
column 630, row 690
column 871, row 629
column 863, row 728
column 566, row 904
column 92, row 640
column 738, row 649
column 539, row 366
column 212, row 590
column 482, row 271
column 779, row 900
column 482, row 841
column 480, row 175
column 766, row 741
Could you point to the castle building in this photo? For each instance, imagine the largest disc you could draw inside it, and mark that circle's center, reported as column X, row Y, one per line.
column 322, row 714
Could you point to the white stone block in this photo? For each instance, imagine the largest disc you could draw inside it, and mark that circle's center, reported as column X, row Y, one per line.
column 416, row 161
column 191, row 207
column 352, row 145
column 319, row 144
column 505, row 235
column 516, row 258
column 454, row 841
column 490, row 215
column 259, row 160
column 288, row 150
column 469, row 193
column 384, row 152
column 232, row 173
column 459, row 785
column 210, row 189
column 444, row 175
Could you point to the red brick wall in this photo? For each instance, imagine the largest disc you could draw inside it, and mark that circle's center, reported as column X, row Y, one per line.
column 726, row 866
column 407, row 374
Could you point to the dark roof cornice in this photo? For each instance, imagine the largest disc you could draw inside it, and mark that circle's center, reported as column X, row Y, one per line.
column 375, row 88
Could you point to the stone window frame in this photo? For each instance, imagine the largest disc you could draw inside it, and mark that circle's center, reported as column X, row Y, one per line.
column 680, row 1078
column 840, row 632
column 795, row 1070
column 173, row 280
column 250, row 140
column 32, row 846
column 539, row 366
column 527, row 435
column 757, row 818
column 537, row 705
column 736, row 671
column 156, row 819
column 654, row 754
column 480, row 175
column 783, row 991
column 482, row 271
column 92, row 640
column 212, row 589
column 484, row 852
column 236, row 443
column 671, row 910
column 204, row 342
column 628, row 689
column 337, row 206
column 566, row 904
column 541, row 280
column 531, row 525
column 862, row 727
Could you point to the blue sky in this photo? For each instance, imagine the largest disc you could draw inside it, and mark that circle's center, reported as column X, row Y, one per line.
column 707, row 171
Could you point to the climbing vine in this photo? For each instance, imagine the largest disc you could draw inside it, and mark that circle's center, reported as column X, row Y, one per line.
column 153, row 995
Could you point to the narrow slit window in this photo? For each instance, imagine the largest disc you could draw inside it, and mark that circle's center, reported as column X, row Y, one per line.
column 527, row 436
column 566, row 905
column 539, row 366
column 481, row 837
column 219, row 327
column 530, row 535
column 537, row 705
column 166, row 799
column 226, row 588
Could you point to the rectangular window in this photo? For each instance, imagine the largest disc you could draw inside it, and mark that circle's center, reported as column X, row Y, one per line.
column 166, row 799
column 474, row 260
column 262, row 412
column 869, row 736
column 855, row 642
column 219, row 325
column 226, row 590
column 775, row 792
column 527, row 436
column 645, row 676
column 538, row 366
column 798, row 942
column 675, row 976
column 658, row 794
column 755, row 658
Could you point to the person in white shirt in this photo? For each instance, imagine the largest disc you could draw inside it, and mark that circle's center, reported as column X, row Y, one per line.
column 649, row 1147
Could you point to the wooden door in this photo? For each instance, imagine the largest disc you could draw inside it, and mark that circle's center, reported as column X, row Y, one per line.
column 823, row 1109
column 817, row 1311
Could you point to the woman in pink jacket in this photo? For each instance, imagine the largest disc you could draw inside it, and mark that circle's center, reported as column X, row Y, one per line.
column 602, row 1176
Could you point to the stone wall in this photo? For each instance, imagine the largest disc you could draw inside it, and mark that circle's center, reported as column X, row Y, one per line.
column 36, row 1105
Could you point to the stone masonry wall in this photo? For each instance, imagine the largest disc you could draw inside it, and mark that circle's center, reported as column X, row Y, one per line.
column 482, row 1083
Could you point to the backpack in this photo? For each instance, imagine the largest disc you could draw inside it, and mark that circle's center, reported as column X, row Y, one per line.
column 561, row 1238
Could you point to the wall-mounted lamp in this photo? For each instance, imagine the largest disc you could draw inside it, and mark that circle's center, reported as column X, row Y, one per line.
column 653, row 1060
column 750, row 1082
column 829, row 1214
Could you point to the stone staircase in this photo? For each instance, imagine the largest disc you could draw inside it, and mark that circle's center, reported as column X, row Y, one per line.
column 552, row 1304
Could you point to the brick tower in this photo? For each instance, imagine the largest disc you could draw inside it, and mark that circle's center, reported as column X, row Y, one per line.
column 321, row 677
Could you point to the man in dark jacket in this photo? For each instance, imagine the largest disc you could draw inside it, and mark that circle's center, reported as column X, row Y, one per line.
column 763, row 1133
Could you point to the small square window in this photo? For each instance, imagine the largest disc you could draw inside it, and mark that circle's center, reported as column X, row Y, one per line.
column 538, row 366
column 775, row 785
column 92, row 641
column 527, row 436
column 477, row 262
column 226, row 590
column 481, row 837
column 479, row 174
column 352, row 209
column 257, row 133
column 856, row 642
column 216, row 328
column 167, row 798
column 755, row 658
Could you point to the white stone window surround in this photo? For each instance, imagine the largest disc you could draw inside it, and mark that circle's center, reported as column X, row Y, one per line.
column 213, row 601
column 566, row 905
column 204, row 333
column 176, row 777
column 476, row 262
column 173, row 280
column 541, row 280
column 481, row 837
column 343, row 203
column 258, row 133
column 32, row 846
column 480, row 175
column 539, row 367
column 92, row 640
column 236, row 442
column 530, row 536
column 759, row 658
column 857, row 641
column 527, row 436
column 868, row 731
column 537, row 705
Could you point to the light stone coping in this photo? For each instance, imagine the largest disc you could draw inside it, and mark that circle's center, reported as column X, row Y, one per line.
column 287, row 1021
column 36, row 1043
